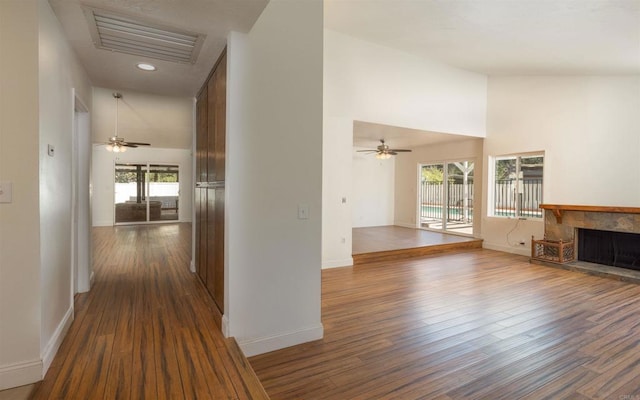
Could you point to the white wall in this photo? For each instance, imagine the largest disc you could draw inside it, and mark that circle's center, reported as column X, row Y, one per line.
column 60, row 73
column 406, row 187
column 274, row 165
column 373, row 190
column 39, row 73
column 103, row 176
column 372, row 83
column 588, row 128
column 20, row 296
column 163, row 121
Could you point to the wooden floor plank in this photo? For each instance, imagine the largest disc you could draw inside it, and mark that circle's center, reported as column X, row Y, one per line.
column 146, row 329
column 471, row 325
column 477, row 324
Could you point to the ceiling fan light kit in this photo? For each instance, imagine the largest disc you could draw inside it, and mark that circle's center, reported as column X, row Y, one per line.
column 383, row 156
column 384, row 152
column 117, row 144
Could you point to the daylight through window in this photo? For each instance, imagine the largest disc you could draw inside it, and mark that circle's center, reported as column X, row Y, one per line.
column 517, row 186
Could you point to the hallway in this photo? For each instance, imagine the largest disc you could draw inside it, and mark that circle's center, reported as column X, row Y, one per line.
column 146, row 328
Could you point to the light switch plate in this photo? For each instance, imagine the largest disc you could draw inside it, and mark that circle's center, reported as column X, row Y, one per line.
column 6, row 189
column 303, row 211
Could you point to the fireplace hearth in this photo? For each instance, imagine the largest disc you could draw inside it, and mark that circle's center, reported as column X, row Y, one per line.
column 606, row 238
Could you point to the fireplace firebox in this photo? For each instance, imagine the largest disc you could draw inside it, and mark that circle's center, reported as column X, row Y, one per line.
column 618, row 249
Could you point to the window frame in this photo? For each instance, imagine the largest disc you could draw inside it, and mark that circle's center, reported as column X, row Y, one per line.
column 519, row 186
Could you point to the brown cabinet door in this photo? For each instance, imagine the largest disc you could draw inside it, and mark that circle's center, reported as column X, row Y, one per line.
column 221, row 118
column 216, row 113
column 218, row 285
column 196, row 222
column 202, row 229
column 214, row 279
column 211, row 241
column 211, row 128
column 202, row 138
column 201, row 176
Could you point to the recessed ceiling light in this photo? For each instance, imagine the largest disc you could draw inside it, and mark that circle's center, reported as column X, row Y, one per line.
column 146, row 67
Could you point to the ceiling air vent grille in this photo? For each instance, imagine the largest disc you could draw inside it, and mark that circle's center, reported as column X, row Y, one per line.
column 125, row 34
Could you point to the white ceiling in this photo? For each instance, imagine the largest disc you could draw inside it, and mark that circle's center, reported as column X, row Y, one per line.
column 214, row 18
column 493, row 37
column 502, row 37
column 368, row 135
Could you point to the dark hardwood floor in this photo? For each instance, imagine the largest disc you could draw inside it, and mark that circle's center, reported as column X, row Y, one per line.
column 478, row 324
column 146, row 328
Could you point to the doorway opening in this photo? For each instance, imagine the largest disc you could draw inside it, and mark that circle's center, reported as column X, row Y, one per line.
column 446, row 197
column 146, row 193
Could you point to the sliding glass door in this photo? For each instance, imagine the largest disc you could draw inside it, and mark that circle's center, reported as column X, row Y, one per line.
column 446, row 197
column 146, row 193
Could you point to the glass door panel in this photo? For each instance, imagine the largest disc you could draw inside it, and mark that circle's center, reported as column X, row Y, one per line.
column 146, row 192
column 130, row 201
column 164, row 192
column 431, row 196
column 446, row 197
column 459, row 217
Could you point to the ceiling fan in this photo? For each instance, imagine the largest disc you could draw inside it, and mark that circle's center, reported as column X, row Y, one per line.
column 116, row 143
column 383, row 151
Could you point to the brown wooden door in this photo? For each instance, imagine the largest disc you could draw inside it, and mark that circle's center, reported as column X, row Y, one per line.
column 218, row 285
column 220, row 118
column 202, row 228
column 216, row 135
column 201, row 176
column 216, row 127
column 211, row 241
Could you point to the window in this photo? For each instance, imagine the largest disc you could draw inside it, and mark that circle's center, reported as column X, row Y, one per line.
column 517, row 186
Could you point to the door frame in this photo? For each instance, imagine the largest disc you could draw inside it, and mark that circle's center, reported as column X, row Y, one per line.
column 445, row 195
column 148, row 164
column 81, row 192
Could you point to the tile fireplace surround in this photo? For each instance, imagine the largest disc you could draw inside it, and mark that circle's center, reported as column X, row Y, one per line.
column 561, row 222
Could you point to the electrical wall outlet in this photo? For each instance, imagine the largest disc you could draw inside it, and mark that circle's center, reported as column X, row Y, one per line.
column 6, row 189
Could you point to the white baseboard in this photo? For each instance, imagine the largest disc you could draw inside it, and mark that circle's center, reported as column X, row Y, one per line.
column 252, row 347
column 20, row 374
column 56, row 340
column 102, row 223
column 192, row 266
column 91, row 279
column 225, row 326
column 411, row 225
column 345, row 262
column 523, row 250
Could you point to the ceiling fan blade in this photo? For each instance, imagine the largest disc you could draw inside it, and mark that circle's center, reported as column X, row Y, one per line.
column 400, row 150
column 128, row 145
column 139, row 143
column 367, row 151
column 393, row 153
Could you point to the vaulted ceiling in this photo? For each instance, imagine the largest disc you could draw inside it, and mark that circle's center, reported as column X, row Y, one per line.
column 492, row 37
column 502, row 37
